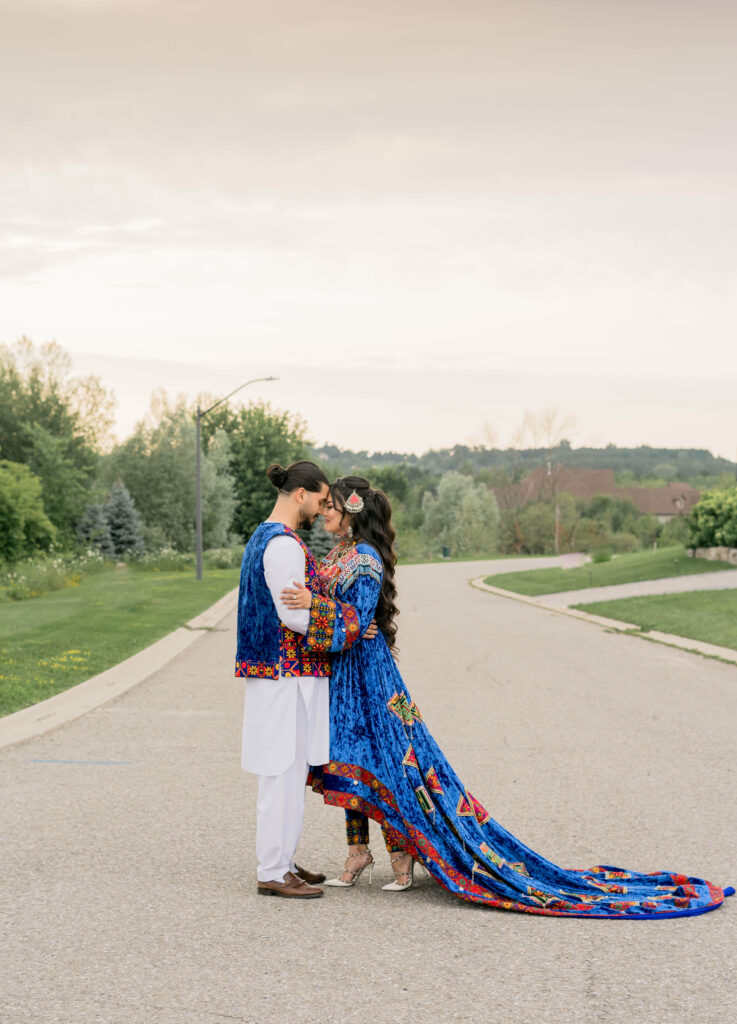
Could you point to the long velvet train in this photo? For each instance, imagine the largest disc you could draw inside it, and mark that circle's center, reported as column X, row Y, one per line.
column 386, row 763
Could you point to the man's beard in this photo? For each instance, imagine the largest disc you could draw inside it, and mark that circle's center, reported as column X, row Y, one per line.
column 305, row 520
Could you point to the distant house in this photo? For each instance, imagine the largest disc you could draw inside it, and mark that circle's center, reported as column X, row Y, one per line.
column 674, row 499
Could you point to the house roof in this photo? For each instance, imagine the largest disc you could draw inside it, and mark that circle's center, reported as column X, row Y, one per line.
column 545, row 482
column 672, row 500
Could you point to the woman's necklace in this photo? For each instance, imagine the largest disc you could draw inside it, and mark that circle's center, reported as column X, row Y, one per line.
column 333, row 556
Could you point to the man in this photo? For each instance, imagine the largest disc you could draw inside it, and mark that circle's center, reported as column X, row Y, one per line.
column 285, row 654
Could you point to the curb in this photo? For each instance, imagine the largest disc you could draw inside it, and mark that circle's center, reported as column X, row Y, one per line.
column 616, row 625
column 98, row 690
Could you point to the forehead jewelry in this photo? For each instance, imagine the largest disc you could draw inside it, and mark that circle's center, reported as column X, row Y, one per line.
column 354, row 503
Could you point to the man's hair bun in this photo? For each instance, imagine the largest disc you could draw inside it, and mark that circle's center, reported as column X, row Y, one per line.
column 277, row 474
column 299, row 474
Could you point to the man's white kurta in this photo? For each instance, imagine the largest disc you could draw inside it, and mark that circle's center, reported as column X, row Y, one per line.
column 270, row 714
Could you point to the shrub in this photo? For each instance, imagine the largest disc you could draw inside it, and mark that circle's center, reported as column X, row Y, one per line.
column 223, row 558
column 713, row 521
column 625, row 542
column 154, row 539
column 601, row 555
column 675, row 531
column 37, row 576
column 166, row 560
column 590, row 534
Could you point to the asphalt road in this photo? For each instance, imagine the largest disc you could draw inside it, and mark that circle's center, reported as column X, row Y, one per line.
column 126, row 841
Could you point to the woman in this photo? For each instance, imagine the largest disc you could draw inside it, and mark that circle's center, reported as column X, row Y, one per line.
column 386, row 765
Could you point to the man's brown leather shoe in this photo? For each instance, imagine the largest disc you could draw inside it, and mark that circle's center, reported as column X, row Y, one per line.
column 313, row 877
column 292, row 888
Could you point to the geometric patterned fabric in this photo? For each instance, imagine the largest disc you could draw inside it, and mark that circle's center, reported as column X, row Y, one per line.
column 386, row 764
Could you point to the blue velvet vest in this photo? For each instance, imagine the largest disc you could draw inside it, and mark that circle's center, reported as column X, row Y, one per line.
column 266, row 647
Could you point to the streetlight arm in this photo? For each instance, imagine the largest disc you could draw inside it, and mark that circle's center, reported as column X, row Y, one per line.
column 240, row 386
column 198, row 506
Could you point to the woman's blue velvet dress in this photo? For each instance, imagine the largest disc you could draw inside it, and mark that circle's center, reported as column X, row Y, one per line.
column 386, row 764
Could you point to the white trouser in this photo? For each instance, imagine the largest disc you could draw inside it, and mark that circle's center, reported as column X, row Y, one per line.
column 280, row 808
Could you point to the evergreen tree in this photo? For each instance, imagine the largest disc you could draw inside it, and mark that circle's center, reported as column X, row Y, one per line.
column 94, row 530
column 317, row 539
column 123, row 522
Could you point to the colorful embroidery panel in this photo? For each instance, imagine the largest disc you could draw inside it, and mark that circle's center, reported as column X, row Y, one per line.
column 355, row 564
column 258, row 669
column 400, row 706
column 423, row 799
column 333, row 626
column 432, row 781
column 322, row 625
column 482, row 815
column 409, row 758
column 343, row 565
column 463, row 808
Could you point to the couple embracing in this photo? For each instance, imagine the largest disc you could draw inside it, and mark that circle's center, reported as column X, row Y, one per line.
column 326, row 706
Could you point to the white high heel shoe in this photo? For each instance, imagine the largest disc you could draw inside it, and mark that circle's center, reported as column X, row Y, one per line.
column 396, row 885
column 338, row 883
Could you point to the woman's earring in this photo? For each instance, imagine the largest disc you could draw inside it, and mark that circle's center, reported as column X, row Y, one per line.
column 349, row 533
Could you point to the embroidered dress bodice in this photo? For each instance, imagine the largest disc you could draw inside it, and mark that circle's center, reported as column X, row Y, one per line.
column 344, row 564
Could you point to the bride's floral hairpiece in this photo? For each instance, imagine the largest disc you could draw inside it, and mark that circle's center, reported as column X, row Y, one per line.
column 354, row 503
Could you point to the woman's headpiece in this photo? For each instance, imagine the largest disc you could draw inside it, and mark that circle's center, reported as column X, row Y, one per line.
column 354, row 503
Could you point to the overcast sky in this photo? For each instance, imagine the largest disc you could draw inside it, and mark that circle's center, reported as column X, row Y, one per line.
column 420, row 216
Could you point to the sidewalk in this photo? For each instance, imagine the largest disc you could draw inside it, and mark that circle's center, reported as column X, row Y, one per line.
column 669, row 585
column 564, row 601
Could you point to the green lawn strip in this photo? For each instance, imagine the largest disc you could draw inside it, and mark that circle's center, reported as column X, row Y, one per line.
column 49, row 643
column 707, row 615
column 642, row 565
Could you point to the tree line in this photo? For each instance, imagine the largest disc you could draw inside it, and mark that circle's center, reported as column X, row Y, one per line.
column 65, row 483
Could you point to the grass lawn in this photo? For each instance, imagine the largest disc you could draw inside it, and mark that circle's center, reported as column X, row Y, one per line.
column 708, row 615
column 49, row 643
column 642, row 565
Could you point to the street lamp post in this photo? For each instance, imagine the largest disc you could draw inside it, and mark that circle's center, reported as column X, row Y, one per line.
column 198, row 513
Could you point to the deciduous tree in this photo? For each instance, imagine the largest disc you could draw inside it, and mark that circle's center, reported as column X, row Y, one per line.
column 24, row 526
column 258, row 435
column 157, row 465
column 55, row 423
column 462, row 516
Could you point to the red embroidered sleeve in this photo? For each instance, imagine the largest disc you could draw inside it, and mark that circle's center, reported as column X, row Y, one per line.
column 333, row 626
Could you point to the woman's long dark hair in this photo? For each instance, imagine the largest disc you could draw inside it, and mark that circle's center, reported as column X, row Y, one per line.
column 373, row 525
